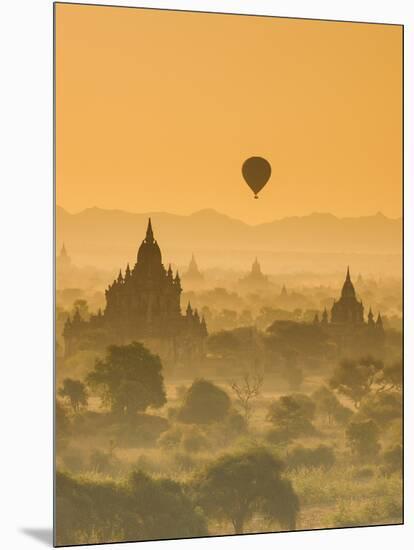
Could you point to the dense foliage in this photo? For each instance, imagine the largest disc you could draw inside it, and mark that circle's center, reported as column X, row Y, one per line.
column 129, row 379
column 238, row 485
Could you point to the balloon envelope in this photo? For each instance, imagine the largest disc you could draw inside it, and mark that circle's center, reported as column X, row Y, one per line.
column 256, row 171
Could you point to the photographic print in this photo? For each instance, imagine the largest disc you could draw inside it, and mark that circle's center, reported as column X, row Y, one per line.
column 228, row 287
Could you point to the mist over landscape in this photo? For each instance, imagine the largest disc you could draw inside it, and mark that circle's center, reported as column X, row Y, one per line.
column 229, row 308
column 318, row 242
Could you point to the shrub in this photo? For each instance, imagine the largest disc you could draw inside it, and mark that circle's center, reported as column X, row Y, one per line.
column 194, row 440
column 377, row 512
column 140, row 508
column 277, row 436
column 363, row 474
column 141, row 430
column 318, row 457
column 235, row 424
column 329, row 406
column 183, row 462
column 74, row 460
column 392, row 460
column 383, row 407
column 204, row 403
column 171, row 438
column 362, row 438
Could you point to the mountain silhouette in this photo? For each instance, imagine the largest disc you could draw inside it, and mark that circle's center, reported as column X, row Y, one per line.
column 104, row 236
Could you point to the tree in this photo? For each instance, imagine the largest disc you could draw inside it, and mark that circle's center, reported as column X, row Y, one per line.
column 76, row 393
column 303, row 338
column 328, row 406
column 292, row 415
column 362, row 438
column 236, row 486
column 355, row 378
column 246, row 391
column 383, row 408
column 129, row 379
column 224, row 342
column 204, row 403
column 391, row 377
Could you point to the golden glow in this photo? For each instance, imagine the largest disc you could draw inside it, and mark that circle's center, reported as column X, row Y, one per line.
column 157, row 110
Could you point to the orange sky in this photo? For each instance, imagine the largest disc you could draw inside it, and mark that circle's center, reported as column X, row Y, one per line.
column 157, row 110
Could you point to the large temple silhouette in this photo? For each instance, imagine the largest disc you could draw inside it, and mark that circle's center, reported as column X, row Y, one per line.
column 347, row 325
column 142, row 305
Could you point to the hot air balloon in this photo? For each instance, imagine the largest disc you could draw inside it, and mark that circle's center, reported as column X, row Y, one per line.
column 256, row 171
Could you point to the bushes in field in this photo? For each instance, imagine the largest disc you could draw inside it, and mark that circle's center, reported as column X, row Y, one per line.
column 392, row 459
column 187, row 438
column 363, row 474
column 317, row 457
column 193, row 438
column 139, row 429
column 382, row 408
column 376, row 512
column 141, row 508
column 363, row 439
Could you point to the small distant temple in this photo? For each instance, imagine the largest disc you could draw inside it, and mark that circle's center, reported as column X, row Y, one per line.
column 347, row 324
column 255, row 280
column 143, row 304
column 65, row 270
column 193, row 276
column 63, row 260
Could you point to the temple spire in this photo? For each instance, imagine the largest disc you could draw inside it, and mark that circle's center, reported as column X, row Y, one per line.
column 379, row 322
column 348, row 290
column 149, row 237
column 370, row 317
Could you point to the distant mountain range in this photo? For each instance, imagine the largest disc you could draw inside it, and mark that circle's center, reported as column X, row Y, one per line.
column 98, row 235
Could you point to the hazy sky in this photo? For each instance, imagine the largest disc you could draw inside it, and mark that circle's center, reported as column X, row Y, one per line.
column 157, row 110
